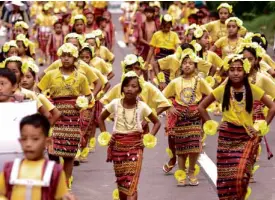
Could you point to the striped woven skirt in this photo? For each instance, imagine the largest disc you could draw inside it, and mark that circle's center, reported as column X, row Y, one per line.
column 126, row 153
column 43, row 37
column 185, row 128
column 66, row 131
column 235, row 159
column 87, row 118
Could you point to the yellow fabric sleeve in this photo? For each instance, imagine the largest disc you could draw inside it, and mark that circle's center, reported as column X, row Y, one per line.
column 48, row 105
column 2, row 184
column 61, row 189
column 114, row 93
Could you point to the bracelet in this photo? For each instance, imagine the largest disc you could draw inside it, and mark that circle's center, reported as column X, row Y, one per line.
column 161, row 77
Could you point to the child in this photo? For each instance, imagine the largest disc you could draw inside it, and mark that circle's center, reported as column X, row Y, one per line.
column 125, row 148
column 238, row 140
column 8, row 49
column 90, row 21
column 101, row 23
column 23, row 45
column 189, row 33
column 163, row 42
column 8, row 86
column 66, row 23
column 110, row 30
column 55, row 41
column 79, row 23
column 65, row 84
column 21, row 27
column 33, row 177
column 100, row 50
column 228, row 44
column 184, row 121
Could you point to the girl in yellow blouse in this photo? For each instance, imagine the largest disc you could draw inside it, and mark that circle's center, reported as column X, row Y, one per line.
column 229, row 44
column 189, row 33
column 125, row 147
column 163, row 42
column 64, row 85
column 217, row 29
column 100, row 50
column 23, row 45
column 9, row 49
column 237, row 142
column 183, row 119
column 21, row 27
column 92, row 115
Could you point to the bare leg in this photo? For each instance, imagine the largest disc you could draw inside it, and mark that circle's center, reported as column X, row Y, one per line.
column 171, row 143
column 182, row 161
column 134, row 197
column 68, row 167
column 122, row 196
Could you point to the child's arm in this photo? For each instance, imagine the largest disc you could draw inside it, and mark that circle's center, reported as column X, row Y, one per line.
column 102, row 119
column 156, row 123
column 110, row 75
column 97, row 87
column 48, row 45
column 106, row 87
column 204, row 104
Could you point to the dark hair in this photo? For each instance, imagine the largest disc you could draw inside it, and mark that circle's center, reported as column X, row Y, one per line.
column 86, row 49
column 38, row 121
column 260, row 41
column 19, row 65
column 149, row 9
column 100, row 19
column 187, row 45
column 73, row 27
column 254, row 53
column 214, row 14
column 7, row 73
column 32, row 72
column 126, row 81
column 28, row 52
column 248, row 98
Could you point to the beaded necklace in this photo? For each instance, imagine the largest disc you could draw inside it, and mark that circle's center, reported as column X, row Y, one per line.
column 238, row 106
column 185, row 93
column 130, row 125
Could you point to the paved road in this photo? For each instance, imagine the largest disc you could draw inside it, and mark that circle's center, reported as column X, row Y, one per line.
column 95, row 180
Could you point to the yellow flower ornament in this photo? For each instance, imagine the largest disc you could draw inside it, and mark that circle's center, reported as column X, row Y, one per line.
column 92, row 142
column 98, row 33
column 22, row 24
column 234, row 19
column 248, row 193
column 196, row 45
column 8, row 45
column 198, row 33
column 29, row 65
column 104, row 138
column 22, row 37
column 87, row 46
column 82, row 102
column 192, row 26
column 169, row 152
column 68, row 48
column 234, row 57
column 180, row 175
column 115, row 194
column 190, row 54
column 149, row 141
column 262, row 127
column 210, row 127
column 210, row 80
column 227, row 6
column 259, row 50
column 12, row 59
column 79, row 17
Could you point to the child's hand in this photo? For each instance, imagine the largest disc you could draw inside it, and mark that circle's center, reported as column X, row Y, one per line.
column 174, row 111
column 19, row 97
column 162, row 85
column 252, row 131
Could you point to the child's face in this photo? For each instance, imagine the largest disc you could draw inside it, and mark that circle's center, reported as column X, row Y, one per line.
column 91, row 42
column 27, row 81
column 79, row 26
column 33, row 142
column 223, row 14
column 21, row 48
column 204, row 41
column 232, row 28
column 74, row 41
column 190, row 35
column 149, row 15
column 19, row 30
column 103, row 24
column 58, row 28
column 12, row 52
column 67, row 60
column 188, row 66
column 13, row 66
column 90, row 19
column 166, row 27
column 107, row 16
column 131, row 90
column 85, row 56
column 250, row 57
column 236, row 72
column 135, row 67
column 6, row 88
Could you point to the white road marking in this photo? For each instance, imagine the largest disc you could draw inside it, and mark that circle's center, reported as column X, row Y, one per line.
column 121, row 44
column 209, row 167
